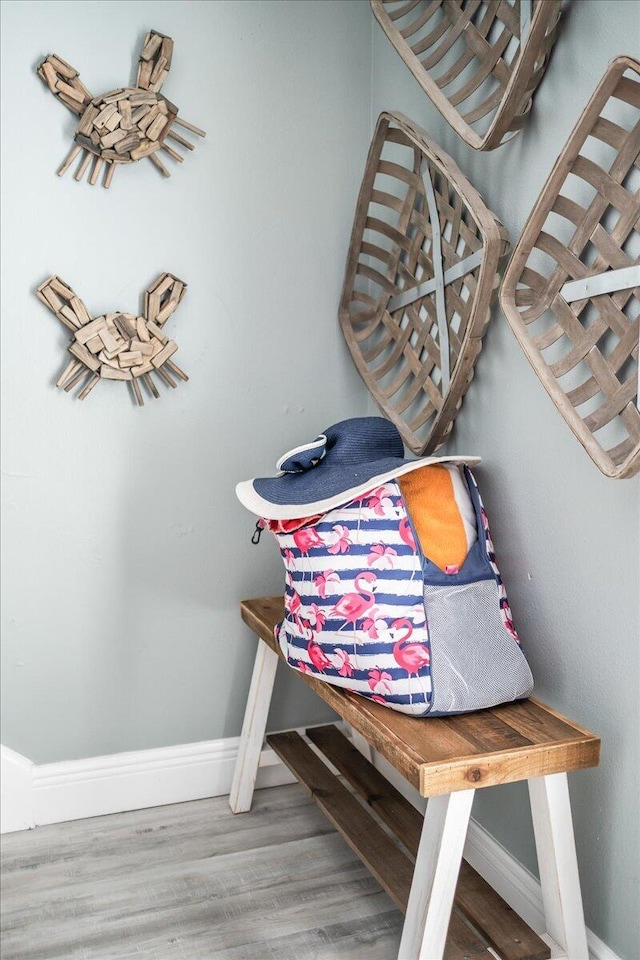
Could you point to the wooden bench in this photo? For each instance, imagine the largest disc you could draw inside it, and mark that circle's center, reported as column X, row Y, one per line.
column 450, row 911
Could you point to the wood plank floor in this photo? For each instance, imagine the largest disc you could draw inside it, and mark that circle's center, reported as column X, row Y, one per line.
column 193, row 882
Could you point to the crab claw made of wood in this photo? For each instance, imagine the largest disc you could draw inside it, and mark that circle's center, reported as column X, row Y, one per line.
column 117, row 346
column 123, row 125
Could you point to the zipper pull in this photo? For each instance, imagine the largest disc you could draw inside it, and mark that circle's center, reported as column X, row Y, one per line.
column 257, row 533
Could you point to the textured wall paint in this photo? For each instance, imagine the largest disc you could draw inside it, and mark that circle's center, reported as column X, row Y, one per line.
column 566, row 537
column 125, row 550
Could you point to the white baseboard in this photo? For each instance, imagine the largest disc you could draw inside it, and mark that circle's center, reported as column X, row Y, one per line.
column 33, row 795
column 16, row 792
column 516, row 885
column 38, row 794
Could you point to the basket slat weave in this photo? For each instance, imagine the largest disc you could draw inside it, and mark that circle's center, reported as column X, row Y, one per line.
column 571, row 292
column 420, row 276
column 479, row 61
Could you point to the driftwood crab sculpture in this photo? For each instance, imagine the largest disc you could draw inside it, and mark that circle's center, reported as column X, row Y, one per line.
column 126, row 124
column 117, row 346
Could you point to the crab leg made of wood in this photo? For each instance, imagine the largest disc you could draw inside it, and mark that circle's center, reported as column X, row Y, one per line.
column 117, row 346
column 126, row 124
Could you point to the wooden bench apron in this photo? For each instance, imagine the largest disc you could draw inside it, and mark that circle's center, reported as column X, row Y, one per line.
column 450, row 911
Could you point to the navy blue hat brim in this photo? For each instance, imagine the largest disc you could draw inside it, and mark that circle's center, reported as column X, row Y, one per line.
column 292, row 495
column 344, row 462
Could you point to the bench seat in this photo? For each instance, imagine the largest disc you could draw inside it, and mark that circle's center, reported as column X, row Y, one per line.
column 440, row 755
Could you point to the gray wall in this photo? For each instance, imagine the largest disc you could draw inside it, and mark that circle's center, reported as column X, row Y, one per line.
column 125, row 550
column 566, row 537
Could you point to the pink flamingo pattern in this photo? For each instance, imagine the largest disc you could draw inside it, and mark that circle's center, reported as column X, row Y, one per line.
column 345, row 667
column 292, row 602
column 317, row 656
column 407, row 533
column 343, row 541
column 360, row 501
column 373, row 625
column 379, row 680
column 316, row 617
column 306, row 539
column 361, row 591
column 323, row 580
column 382, row 555
column 380, row 501
column 355, row 580
column 411, row 656
column 352, row 606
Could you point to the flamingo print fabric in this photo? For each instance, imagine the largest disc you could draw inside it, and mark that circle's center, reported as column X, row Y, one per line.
column 354, row 602
column 368, row 608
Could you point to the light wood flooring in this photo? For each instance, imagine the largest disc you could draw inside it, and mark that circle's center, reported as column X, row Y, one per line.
column 194, row 882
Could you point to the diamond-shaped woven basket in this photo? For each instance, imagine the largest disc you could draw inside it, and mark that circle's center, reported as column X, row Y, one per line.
column 479, row 61
column 420, row 276
column 571, row 292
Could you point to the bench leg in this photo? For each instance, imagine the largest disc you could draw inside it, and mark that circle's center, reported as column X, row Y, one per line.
column 253, row 728
column 435, row 877
column 555, row 845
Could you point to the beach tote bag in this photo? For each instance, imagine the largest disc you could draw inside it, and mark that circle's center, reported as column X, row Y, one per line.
column 392, row 590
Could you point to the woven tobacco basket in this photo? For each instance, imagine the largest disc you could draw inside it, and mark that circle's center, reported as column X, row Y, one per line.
column 421, row 272
column 571, row 292
column 479, row 61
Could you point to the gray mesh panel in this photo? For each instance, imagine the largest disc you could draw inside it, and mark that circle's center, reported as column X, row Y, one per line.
column 475, row 662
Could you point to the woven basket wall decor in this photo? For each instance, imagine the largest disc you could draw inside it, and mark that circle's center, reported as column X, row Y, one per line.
column 571, row 292
column 123, row 125
column 479, row 61
column 420, row 276
column 117, row 346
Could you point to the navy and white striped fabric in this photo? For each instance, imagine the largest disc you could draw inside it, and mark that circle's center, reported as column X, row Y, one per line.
column 355, row 612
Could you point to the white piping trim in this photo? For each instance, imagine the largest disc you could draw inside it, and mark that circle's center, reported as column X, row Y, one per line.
column 251, row 499
column 320, row 440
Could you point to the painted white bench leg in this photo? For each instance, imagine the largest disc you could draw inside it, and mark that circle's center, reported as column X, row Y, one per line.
column 555, row 844
column 253, row 728
column 435, row 877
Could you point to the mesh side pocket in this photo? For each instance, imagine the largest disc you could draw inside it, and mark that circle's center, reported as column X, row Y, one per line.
column 475, row 662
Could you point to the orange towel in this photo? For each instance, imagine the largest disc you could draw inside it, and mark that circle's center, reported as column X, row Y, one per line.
column 442, row 514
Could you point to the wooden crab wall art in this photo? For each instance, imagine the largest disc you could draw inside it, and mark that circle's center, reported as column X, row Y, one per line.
column 123, row 125
column 117, row 346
